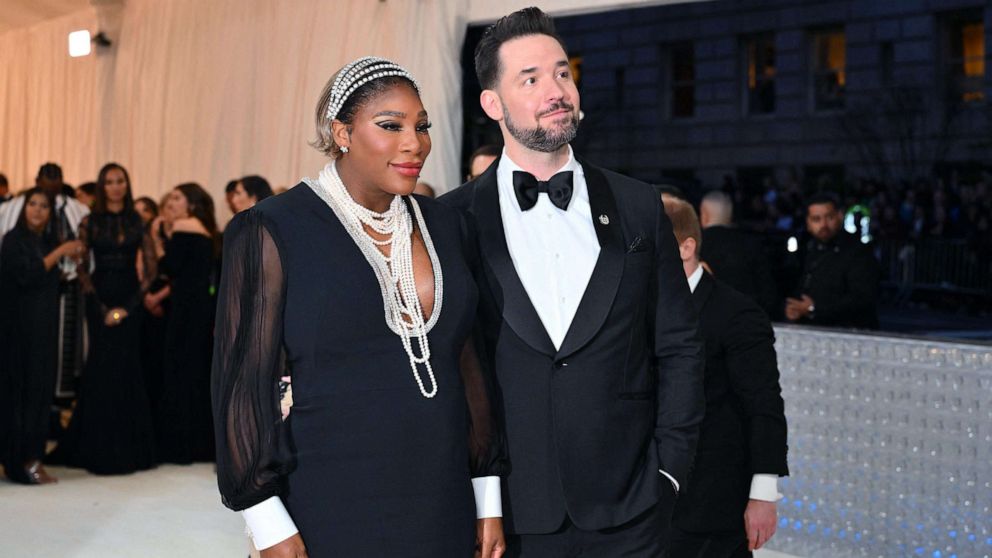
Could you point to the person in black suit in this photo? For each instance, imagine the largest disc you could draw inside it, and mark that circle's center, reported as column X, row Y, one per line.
column 734, row 256
column 585, row 317
column 839, row 284
column 728, row 508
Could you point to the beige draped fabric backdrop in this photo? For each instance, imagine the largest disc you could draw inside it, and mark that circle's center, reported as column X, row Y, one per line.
column 206, row 91
column 209, row 90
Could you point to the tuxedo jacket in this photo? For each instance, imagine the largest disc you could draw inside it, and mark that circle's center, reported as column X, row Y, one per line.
column 744, row 431
column 589, row 425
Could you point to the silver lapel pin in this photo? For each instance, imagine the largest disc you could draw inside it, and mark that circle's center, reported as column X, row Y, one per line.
column 604, row 219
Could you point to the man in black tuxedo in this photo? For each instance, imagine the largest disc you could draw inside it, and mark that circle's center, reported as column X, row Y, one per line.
column 585, row 317
column 728, row 508
column 734, row 256
column 839, row 284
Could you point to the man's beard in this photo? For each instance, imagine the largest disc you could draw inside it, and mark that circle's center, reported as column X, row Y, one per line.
column 542, row 139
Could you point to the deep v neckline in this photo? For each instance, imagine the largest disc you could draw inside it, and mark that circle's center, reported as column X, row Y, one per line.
column 426, row 314
column 431, row 319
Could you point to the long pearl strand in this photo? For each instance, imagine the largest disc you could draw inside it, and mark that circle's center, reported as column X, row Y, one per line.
column 401, row 304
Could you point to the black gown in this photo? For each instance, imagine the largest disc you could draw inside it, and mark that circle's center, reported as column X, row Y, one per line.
column 365, row 464
column 112, row 431
column 185, row 428
column 29, row 317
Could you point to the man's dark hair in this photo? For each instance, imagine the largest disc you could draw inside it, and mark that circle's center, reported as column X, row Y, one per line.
column 821, row 198
column 50, row 171
column 231, row 186
column 528, row 21
column 256, row 186
column 3, row 180
column 487, row 150
column 88, row 187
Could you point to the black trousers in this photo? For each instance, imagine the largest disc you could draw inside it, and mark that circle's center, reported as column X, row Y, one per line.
column 641, row 537
column 707, row 545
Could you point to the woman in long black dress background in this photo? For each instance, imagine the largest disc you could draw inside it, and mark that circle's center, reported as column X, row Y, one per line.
column 188, row 251
column 152, row 316
column 392, row 426
column 29, row 317
column 112, row 430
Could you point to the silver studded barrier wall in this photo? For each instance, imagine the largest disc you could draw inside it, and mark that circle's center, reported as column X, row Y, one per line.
column 890, row 446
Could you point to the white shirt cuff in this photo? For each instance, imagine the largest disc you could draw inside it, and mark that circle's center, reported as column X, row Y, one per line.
column 765, row 487
column 488, row 500
column 675, row 483
column 269, row 523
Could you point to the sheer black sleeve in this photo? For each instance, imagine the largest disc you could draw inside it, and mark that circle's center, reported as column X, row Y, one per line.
column 487, row 434
column 149, row 261
column 247, row 363
column 83, row 269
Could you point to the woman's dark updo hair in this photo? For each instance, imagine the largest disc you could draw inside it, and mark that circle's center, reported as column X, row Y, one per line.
column 361, row 97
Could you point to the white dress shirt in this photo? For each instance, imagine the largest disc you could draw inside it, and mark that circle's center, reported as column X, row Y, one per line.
column 763, row 486
column 554, row 251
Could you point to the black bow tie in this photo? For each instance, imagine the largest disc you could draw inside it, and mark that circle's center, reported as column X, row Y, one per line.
column 558, row 189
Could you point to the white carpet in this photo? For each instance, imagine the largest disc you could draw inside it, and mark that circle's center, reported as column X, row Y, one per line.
column 171, row 511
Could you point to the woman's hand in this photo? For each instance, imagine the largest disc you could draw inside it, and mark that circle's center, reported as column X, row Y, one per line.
column 152, row 300
column 289, row 548
column 114, row 317
column 72, row 248
column 489, row 539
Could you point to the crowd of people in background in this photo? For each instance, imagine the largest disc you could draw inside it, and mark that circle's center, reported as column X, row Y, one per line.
column 143, row 274
column 140, row 277
column 899, row 211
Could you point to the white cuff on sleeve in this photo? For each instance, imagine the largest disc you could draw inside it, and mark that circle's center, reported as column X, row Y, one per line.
column 269, row 523
column 488, row 500
column 765, row 487
column 675, row 483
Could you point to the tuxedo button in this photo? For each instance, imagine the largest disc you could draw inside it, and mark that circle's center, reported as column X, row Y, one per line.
column 560, row 364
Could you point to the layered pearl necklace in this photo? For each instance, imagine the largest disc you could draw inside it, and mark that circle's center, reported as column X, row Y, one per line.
column 401, row 304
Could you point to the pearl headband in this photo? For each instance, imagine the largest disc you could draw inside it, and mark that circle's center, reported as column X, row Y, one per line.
column 357, row 74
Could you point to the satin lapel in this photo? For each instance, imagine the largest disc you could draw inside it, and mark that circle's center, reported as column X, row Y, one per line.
column 518, row 310
column 605, row 280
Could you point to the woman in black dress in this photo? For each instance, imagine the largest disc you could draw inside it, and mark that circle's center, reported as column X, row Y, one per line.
column 392, row 426
column 153, row 316
column 29, row 317
column 188, row 250
column 112, row 432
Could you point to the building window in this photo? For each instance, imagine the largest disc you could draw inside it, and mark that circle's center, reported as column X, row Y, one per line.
column 759, row 65
column 682, row 80
column 966, row 56
column 829, row 69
